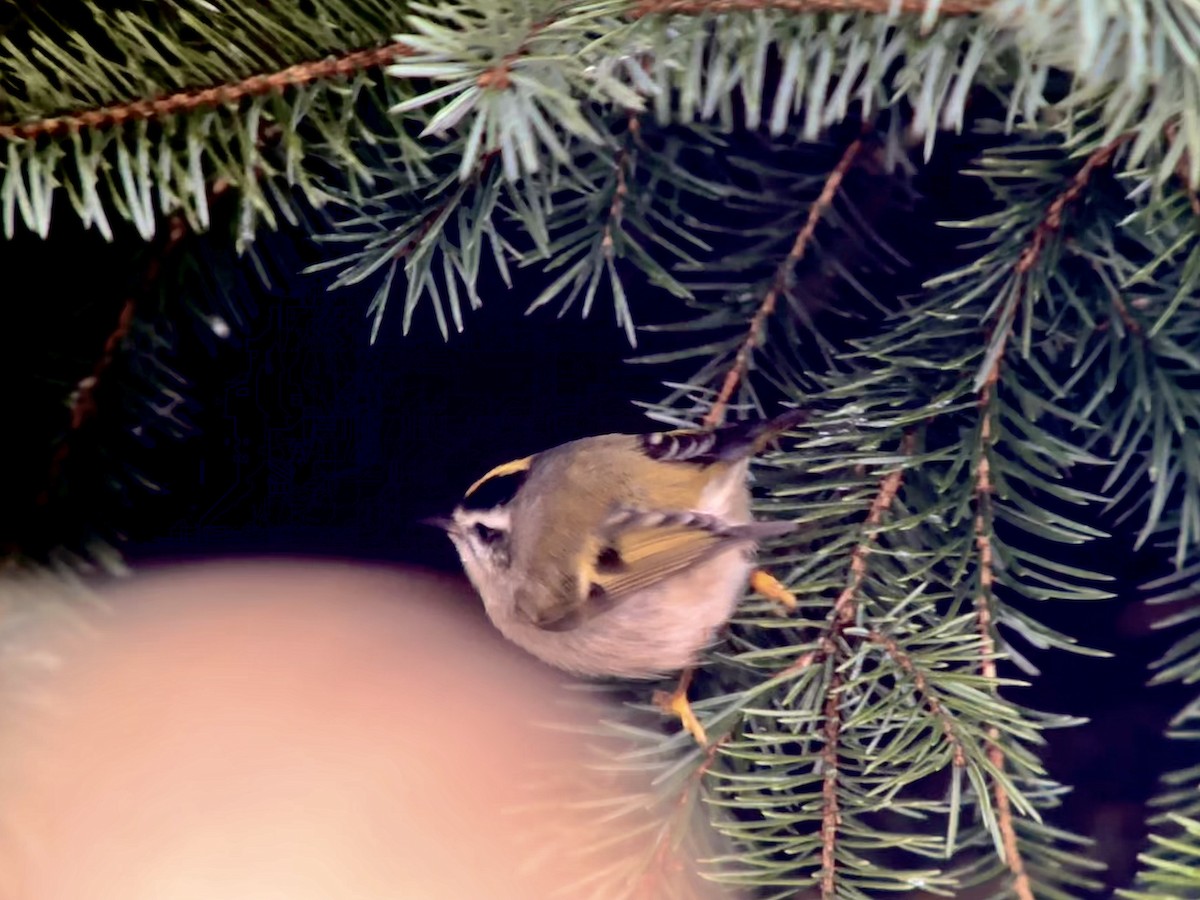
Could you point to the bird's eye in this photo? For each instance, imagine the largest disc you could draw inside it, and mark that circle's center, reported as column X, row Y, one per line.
column 488, row 535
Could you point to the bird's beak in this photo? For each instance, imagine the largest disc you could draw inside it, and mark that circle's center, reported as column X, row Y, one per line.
column 445, row 523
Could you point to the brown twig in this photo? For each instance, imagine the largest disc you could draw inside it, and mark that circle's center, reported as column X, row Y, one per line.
column 1004, row 814
column 756, row 332
column 1193, row 197
column 82, row 404
column 497, row 77
column 234, row 92
column 842, row 617
column 843, row 607
column 921, row 683
column 1053, row 219
column 983, row 618
column 422, row 230
column 617, row 208
column 1051, row 223
column 219, row 95
column 831, row 816
column 844, row 610
column 359, row 60
column 880, row 7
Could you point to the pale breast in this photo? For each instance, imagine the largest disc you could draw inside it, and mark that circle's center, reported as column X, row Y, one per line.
column 658, row 631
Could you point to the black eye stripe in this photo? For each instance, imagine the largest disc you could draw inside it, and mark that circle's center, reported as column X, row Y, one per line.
column 486, row 534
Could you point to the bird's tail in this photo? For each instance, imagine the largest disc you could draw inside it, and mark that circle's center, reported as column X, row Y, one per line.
column 729, row 442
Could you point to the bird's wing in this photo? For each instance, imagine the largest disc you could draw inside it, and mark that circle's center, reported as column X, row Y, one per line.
column 724, row 444
column 638, row 549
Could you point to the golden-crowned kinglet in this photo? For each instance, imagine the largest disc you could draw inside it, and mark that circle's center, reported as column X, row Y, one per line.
column 617, row 555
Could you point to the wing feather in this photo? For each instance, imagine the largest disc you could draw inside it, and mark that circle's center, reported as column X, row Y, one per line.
column 639, row 549
column 724, row 444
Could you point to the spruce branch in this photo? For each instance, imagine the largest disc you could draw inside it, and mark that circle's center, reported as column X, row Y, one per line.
column 1149, row 81
column 831, row 819
column 515, row 77
column 1171, row 865
column 804, row 724
column 988, row 383
column 134, row 112
column 82, row 404
column 877, row 7
column 842, row 616
column 616, row 207
column 1052, row 222
column 231, row 93
column 1152, row 424
column 667, row 837
column 844, row 606
column 431, row 225
column 1132, row 325
column 524, row 92
column 914, row 375
column 438, row 213
column 1183, row 169
column 921, row 682
column 756, row 333
column 984, row 523
column 1020, row 286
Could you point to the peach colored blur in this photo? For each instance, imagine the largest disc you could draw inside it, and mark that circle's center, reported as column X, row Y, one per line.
column 295, row 731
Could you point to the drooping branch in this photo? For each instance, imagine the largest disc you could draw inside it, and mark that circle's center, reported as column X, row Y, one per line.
column 987, row 667
column 756, row 333
column 82, row 404
column 983, row 489
column 921, row 683
column 879, row 7
column 437, row 214
column 617, row 207
column 831, row 818
column 842, row 617
column 844, row 606
column 1052, row 221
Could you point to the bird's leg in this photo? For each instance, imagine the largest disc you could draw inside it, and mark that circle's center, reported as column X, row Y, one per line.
column 676, row 703
column 768, row 585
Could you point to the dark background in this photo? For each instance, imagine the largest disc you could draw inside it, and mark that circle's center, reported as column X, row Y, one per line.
column 293, row 436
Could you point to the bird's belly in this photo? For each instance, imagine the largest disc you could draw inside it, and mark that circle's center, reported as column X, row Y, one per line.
column 660, row 630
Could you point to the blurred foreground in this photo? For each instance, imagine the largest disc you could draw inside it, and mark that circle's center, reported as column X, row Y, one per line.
column 298, row 730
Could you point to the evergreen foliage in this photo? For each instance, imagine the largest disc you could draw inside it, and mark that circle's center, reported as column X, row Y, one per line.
column 969, row 433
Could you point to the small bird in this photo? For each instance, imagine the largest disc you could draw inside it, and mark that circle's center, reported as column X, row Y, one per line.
column 620, row 555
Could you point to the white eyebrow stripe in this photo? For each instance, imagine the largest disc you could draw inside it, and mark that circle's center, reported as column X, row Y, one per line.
column 497, row 517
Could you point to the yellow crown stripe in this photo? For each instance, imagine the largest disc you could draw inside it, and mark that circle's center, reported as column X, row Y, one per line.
column 508, row 468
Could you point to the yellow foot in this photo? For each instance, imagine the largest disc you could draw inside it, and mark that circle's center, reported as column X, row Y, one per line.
column 676, row 703
column 768, row 585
